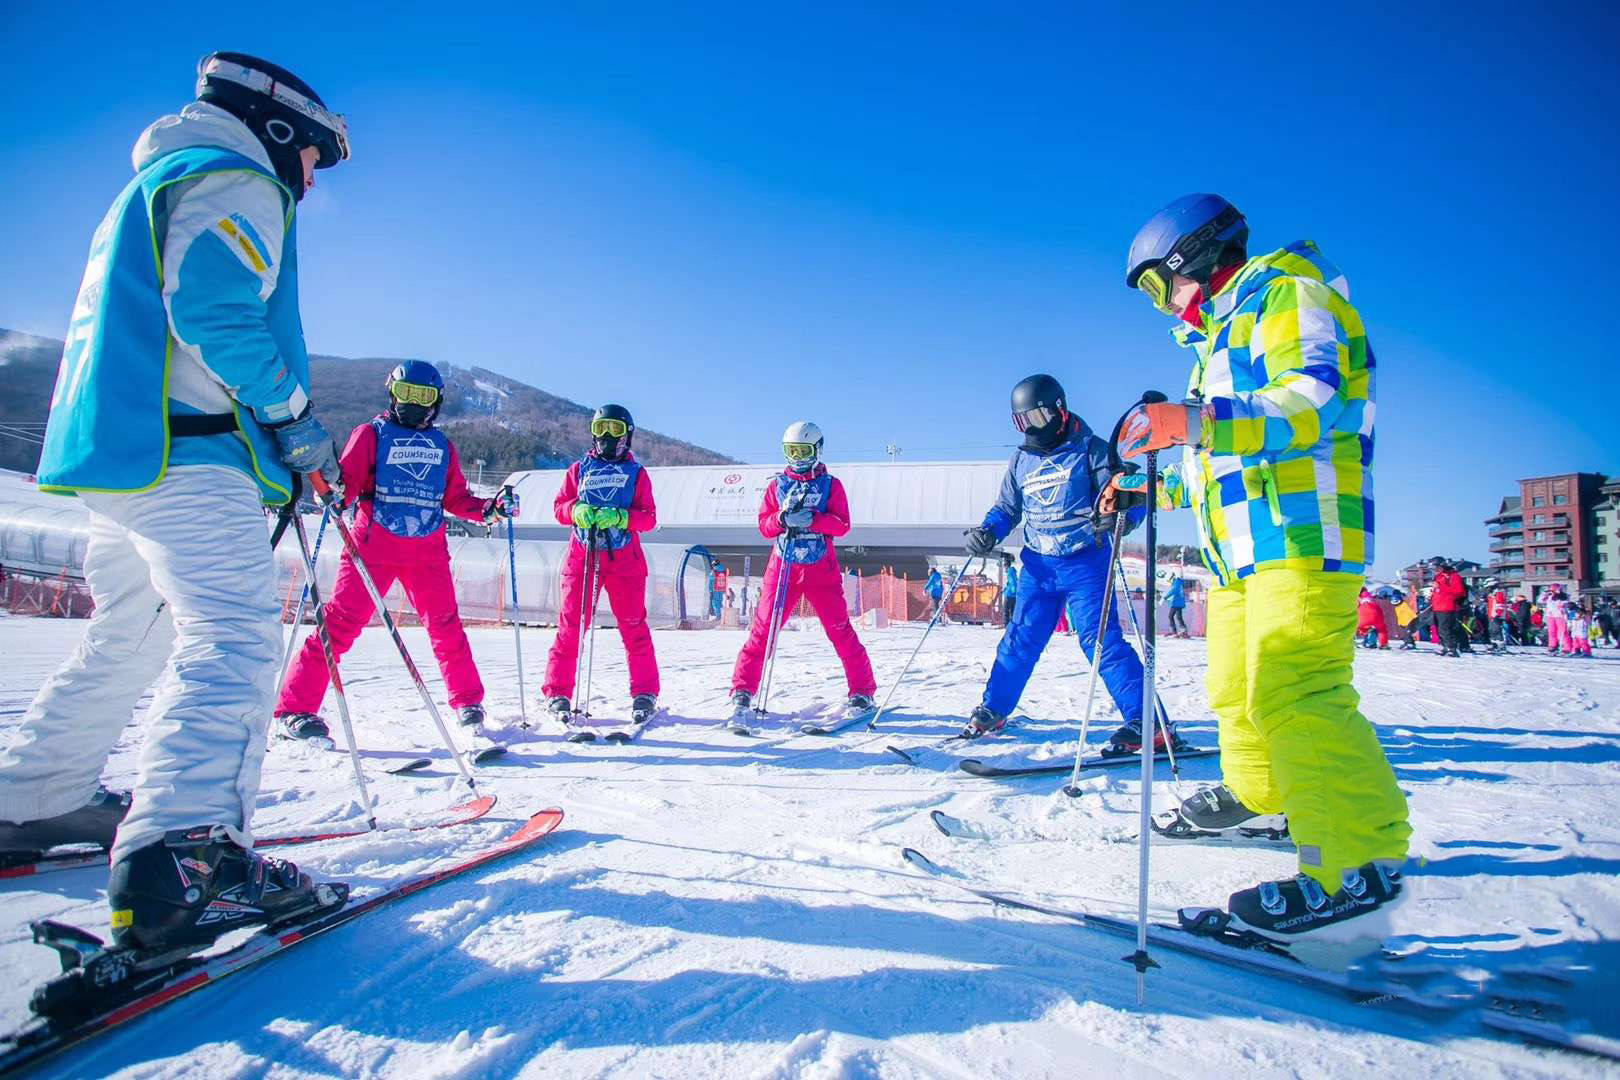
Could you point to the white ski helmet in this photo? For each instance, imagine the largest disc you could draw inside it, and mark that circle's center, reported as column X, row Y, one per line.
column 799, row 434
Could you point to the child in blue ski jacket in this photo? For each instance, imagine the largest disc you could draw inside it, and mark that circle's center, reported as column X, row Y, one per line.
column 1051, row 485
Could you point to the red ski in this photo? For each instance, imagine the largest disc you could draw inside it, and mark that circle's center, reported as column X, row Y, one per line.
column 82, row 1005
column 460, row 814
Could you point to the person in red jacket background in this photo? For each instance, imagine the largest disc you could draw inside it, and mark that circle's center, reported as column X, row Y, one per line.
column 607, row 496
column 1370, row 616
column 804, row 509
column 1447, row 601
column 406, row 475
column 1500, row 613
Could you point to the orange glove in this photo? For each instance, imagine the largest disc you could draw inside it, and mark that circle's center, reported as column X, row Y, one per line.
column 1159, row 427
column 1123, row 491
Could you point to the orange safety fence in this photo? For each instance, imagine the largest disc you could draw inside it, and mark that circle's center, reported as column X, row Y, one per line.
column 59, row 597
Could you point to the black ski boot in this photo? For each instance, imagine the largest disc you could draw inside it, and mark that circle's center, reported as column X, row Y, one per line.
column 1300, row 906
column 93, row 823
column 560, row 709
column 982, row 722
column 1128, row 740
column 642, row 707
column 304, row 727
column 1216, row 815
column 741, row 720
column 471, row 716
column 184, row 891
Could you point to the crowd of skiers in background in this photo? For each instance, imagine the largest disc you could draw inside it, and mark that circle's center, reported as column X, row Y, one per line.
column 1452, row 617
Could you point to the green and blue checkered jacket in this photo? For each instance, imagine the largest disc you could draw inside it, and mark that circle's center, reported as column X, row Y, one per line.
column 1284, row 475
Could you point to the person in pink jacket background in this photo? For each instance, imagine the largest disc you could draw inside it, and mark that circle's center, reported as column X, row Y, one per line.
column 606, row 495
column 804, row 509
column 1555, row 617
column 406, row 476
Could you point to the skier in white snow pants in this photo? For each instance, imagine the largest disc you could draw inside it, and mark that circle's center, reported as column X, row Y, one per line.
column 181, row 408
column 191, row 553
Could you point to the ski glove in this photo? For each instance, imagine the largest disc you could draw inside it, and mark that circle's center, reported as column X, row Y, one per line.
column 1159, row 426
column 797, row 519
column 503, row 505
column 584, row 516
column 980, row 541
column 612, row 517
column 305, row 447
column 1128, row 490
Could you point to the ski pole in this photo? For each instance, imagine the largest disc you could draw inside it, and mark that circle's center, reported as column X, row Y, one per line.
column 1096, row 651
column 586, row 577
column 324, row 491
column 298, row 614
column 1160, row 716
column 312, row 589
column 590, row 625
column 517, row 631
column 960, row 574
column 1140, row 959
column 778, row 616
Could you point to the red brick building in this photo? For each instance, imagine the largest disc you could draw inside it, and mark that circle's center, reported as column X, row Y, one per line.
column 1547, row 533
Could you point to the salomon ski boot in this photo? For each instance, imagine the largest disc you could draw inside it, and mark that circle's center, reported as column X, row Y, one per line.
column 305, row 727
column 642, row 707
column 96, row 822
column 1215, row 814
column 184, row 891
column 982, row 722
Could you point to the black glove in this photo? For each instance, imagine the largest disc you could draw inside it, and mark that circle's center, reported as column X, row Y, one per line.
column 980, row 541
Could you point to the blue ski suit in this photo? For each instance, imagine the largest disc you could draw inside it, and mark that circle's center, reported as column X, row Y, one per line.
column 1051, row 492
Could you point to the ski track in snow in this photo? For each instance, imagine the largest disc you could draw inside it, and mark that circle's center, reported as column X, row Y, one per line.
column 722, row 906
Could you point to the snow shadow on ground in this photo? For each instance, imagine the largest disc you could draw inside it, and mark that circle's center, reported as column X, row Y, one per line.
column 430, row 988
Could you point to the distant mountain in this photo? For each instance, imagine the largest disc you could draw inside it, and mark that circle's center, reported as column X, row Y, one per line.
column 509, row 424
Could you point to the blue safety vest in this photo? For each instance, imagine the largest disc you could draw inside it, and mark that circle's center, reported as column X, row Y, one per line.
column 413, row 467
column 812, row 494
column 607, row 483
column 109, row 420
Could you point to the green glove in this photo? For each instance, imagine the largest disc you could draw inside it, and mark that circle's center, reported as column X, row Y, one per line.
column 584, row 515
column 612, row 517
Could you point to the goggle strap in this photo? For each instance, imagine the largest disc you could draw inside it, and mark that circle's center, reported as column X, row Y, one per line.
column 260, row 81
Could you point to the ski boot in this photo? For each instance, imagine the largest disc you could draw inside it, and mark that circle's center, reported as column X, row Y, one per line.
column 1216, row 815
column 1317, row 929
column 642, row 707
column 94, row 823
column 305, row 727
column 484, row 749
column 982, row 722
column 741, row 720
column 181, row 893
column 1128, row 740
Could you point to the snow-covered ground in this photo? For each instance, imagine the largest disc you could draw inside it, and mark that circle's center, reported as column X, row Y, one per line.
column 720, row 907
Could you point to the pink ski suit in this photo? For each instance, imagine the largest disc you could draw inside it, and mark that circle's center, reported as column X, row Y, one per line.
column 621, row 570
column 814, row 574
column 421, row 563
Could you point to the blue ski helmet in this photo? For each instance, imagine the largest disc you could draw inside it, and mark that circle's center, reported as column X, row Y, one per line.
column 1193, row 236
column 415, row 393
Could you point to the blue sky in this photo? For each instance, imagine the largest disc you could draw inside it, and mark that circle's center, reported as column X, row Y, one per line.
column 729, row 218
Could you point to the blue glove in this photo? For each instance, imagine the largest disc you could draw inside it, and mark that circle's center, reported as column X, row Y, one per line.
column 798, row 519
column 305, row 447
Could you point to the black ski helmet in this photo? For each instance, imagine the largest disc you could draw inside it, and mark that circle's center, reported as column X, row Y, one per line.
column 407, row 407
column 612, row 447
column 1040, row 409
column 278, row 107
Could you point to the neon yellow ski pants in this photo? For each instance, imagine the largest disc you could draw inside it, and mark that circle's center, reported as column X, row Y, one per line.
column 1281, row 656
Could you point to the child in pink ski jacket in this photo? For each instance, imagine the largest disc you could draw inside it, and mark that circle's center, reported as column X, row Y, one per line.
column 804, row 509
column 606, row 495
column 406, row 476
